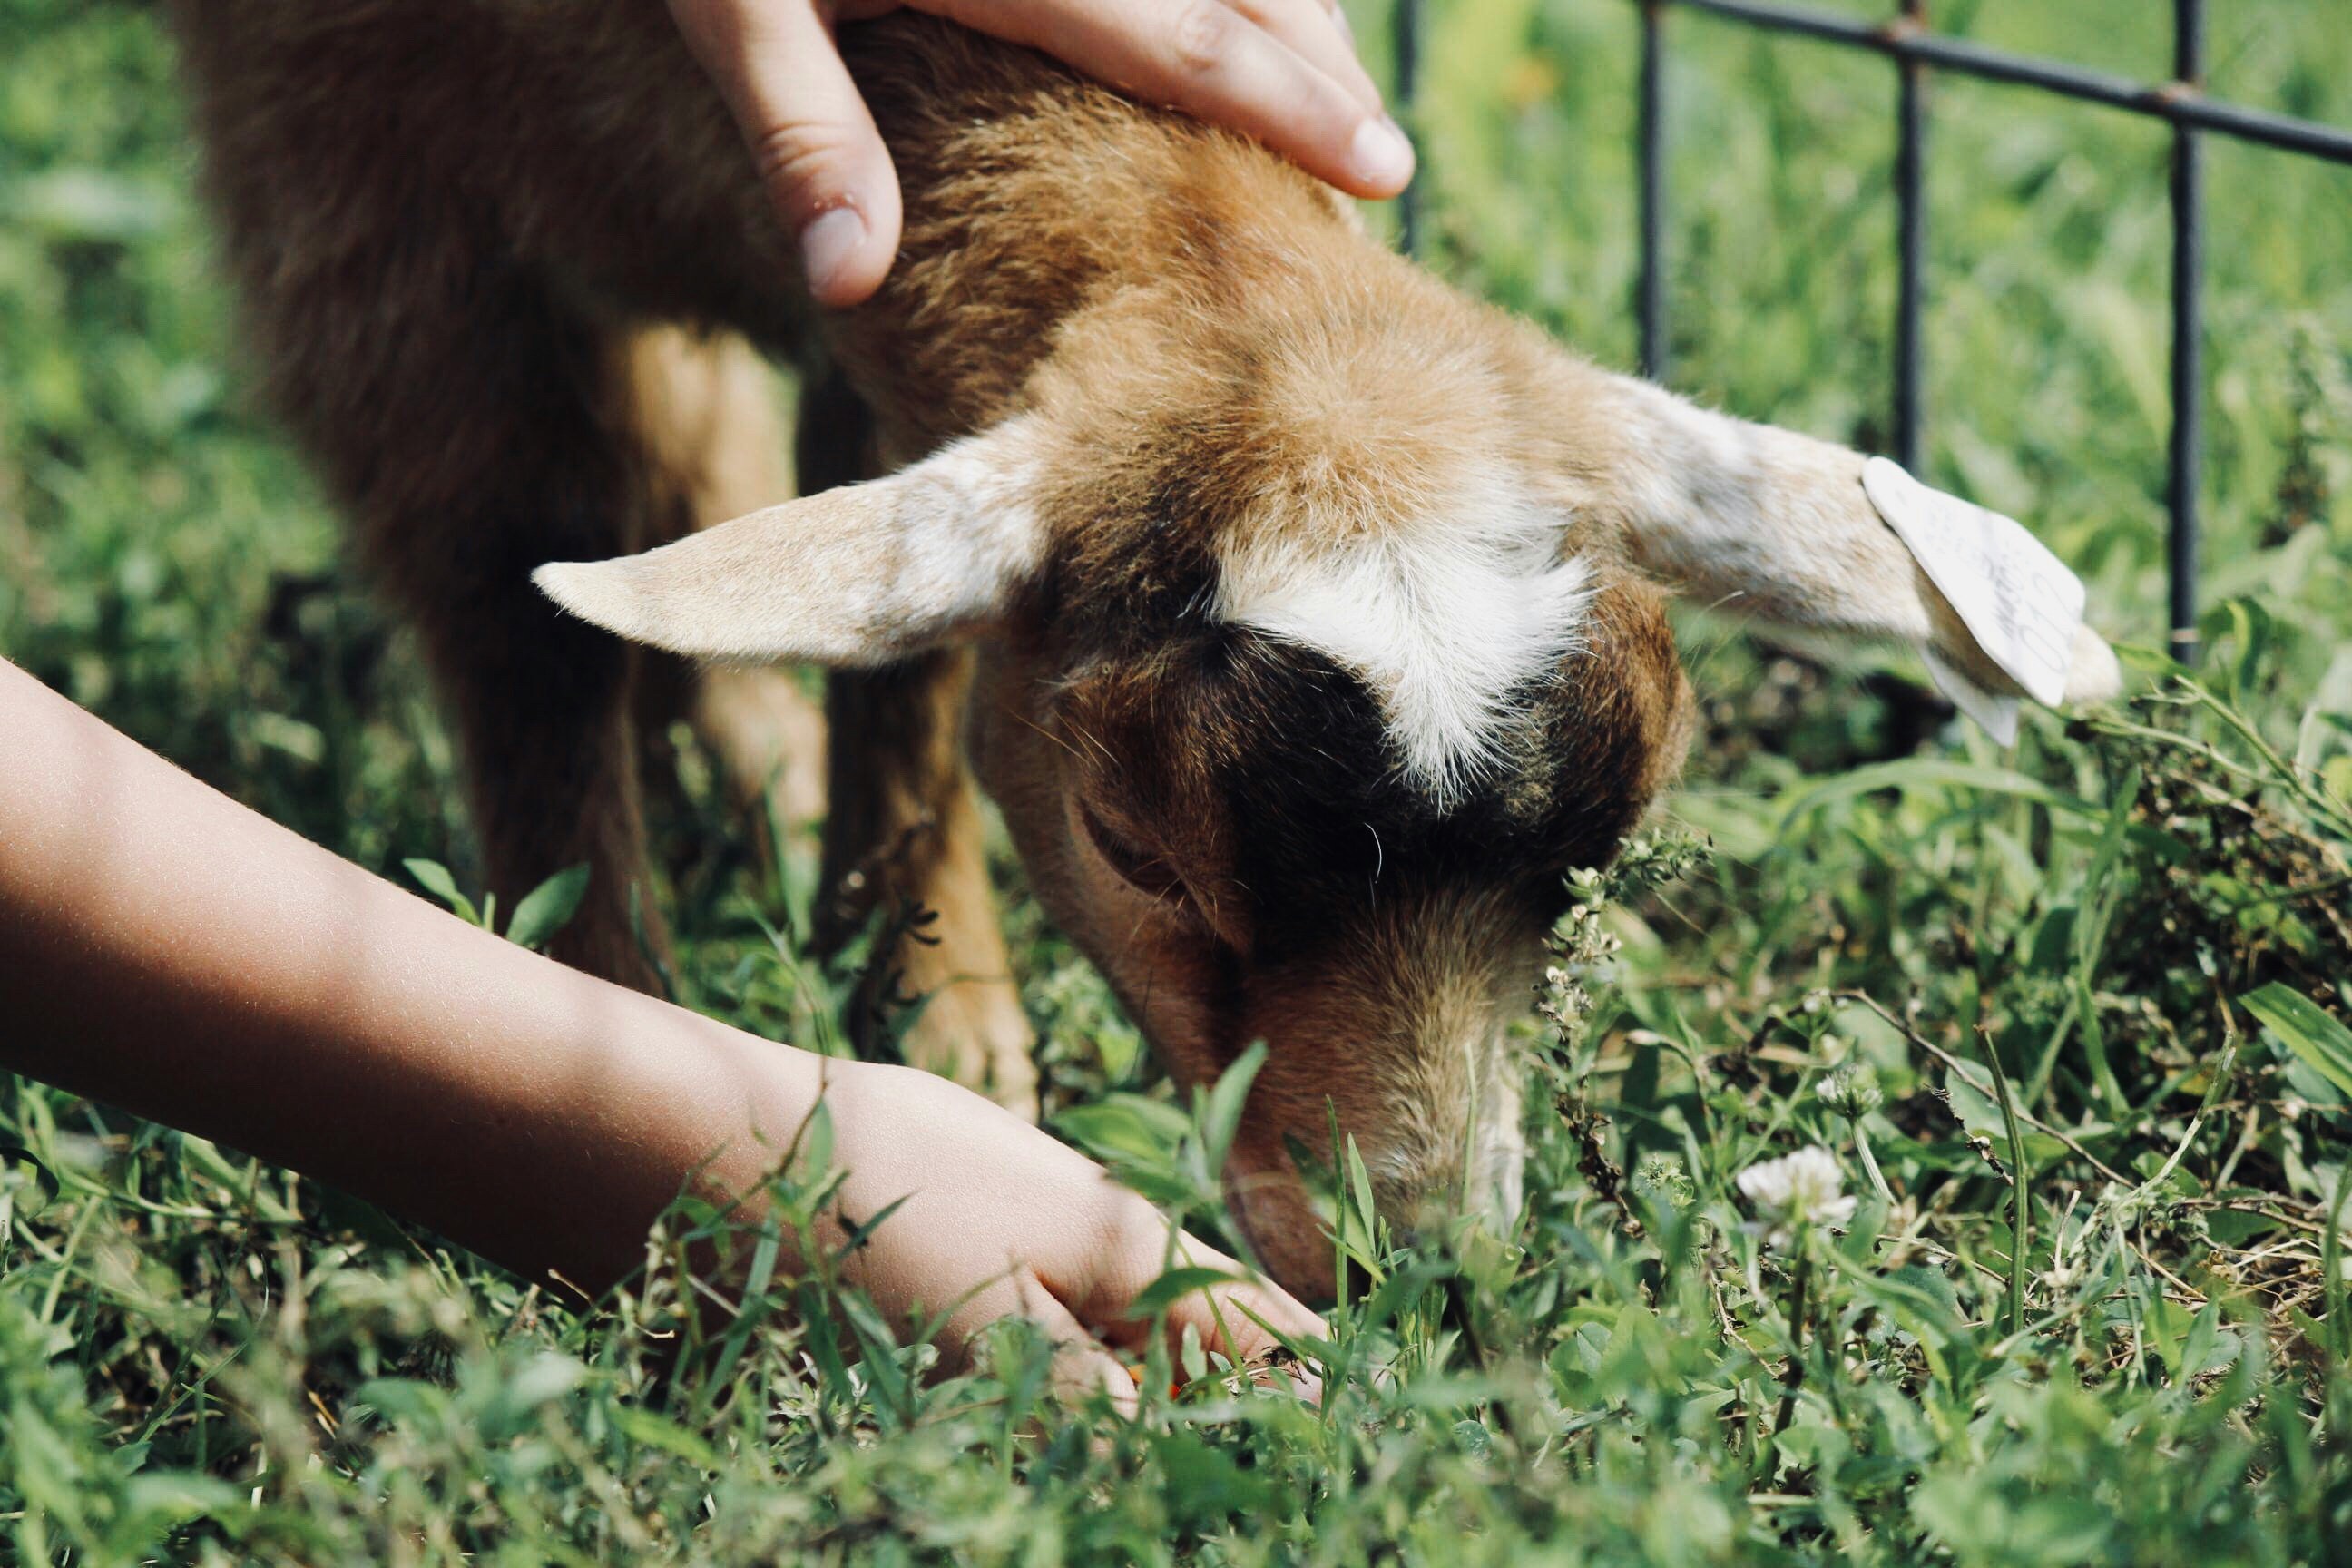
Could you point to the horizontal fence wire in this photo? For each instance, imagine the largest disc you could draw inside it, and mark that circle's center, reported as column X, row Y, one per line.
column 2181, row 101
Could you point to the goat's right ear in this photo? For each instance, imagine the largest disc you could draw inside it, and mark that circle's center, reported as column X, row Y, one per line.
column 855, row 576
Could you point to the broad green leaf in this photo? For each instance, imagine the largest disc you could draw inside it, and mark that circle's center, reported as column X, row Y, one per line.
column 1190, row 1356
column 182, row 1495
column 1222, row 1116
column 1980, row 1112
column 540, row 1381
column 815, row 1143
column 1173, row 1287
column 2235, row 1227
column 1360, row 1183
column 1200, row 1485
column 641, row 1425
column 548, row 908
column 1125, row 1127
column 1396, row 1292
column 1921, row 1280
column 435, row 879
column 2300, row 1025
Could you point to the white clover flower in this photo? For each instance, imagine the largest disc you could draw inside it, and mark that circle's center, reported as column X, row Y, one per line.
column 1852, row 1091
column 1795, row 1191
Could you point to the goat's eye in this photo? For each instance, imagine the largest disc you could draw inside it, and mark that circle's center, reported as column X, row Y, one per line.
column 1146, row 871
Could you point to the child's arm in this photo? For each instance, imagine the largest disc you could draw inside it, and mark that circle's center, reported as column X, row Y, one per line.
column 165, row 950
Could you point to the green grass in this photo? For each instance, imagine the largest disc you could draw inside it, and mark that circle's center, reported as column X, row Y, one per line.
column 2014, row 985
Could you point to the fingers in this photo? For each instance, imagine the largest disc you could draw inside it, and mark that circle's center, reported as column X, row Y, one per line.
column 1246, row 1319
column 1235, row 1319
column 816, row 147
column 1279, row 71
column 1318, row 34
column 1081, row 1365
column 1284, row 71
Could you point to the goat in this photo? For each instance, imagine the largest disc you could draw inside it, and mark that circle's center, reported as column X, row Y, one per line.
column 1305, row 619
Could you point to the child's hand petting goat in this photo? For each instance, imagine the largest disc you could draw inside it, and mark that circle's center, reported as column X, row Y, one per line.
column 1284, row 71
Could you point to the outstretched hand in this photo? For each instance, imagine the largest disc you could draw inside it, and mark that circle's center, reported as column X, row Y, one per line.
column 171, row 952
column 999, row 1220
column 1284, row 71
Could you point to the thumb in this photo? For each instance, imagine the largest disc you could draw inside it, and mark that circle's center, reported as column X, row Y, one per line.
column 809, row 134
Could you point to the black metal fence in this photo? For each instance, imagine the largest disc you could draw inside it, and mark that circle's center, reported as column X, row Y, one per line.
column 1916, row 50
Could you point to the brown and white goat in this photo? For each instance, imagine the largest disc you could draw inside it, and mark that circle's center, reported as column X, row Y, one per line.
column 1305, row 616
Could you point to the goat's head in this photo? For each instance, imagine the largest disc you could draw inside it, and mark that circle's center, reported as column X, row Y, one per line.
column 1317, row 645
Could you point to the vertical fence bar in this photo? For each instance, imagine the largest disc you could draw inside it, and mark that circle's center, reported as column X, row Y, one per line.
column 1404, row 22
column 2188, row 331
column 1911, row 224
column 1652, row 295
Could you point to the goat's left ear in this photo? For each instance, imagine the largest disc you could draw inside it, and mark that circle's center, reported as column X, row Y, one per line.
column 1768, row 522
column 855, row 576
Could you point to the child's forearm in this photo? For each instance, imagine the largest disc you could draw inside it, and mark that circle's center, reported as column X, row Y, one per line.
column 164, row 950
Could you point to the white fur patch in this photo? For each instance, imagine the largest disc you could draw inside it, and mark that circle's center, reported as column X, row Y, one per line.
column 1443, row 619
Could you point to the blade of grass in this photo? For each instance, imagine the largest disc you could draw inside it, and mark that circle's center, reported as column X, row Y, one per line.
column 2331, row 1268
column 2021, row 1177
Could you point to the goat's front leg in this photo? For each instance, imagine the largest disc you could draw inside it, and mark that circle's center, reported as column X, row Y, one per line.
column 904, row 841
column 706, row 409
column 903, row 837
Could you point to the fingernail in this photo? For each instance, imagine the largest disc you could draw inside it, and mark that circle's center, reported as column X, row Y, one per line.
column 1340, row 20
column 1381, row 155
column 829, row 243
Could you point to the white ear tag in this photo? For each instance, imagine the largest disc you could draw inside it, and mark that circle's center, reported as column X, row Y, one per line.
column 2018, row 600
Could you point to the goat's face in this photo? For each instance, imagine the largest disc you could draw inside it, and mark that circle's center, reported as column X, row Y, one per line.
column 1226, row 822
column 1307, row 709
column 1312, row 653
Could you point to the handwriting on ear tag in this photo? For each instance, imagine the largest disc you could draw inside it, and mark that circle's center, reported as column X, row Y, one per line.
column 2018, row 601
